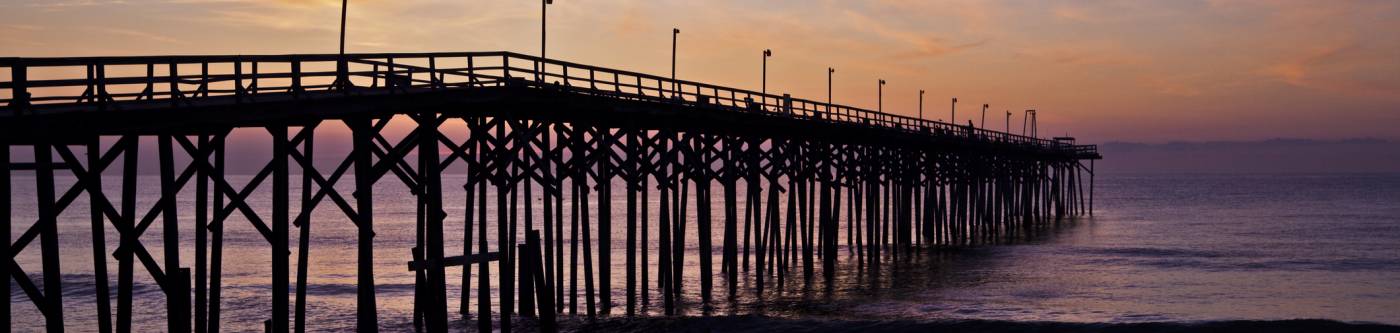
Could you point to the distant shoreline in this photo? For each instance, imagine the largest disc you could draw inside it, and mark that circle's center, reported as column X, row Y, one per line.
column 763, row 324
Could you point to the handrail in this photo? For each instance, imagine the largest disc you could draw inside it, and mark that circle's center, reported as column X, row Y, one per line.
column 106, row 82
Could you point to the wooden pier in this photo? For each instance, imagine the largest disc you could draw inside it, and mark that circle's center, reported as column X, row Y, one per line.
column 537, row 131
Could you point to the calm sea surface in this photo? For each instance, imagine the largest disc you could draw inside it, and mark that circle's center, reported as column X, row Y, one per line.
column 1160, row 248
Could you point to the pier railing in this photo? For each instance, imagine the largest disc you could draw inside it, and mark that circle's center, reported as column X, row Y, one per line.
column 40, row 85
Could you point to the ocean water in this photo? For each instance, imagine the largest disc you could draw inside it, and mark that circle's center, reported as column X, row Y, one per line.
column 1182, row 248
column 1159, row 248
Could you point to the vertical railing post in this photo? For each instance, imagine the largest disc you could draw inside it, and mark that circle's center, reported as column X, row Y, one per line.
column 539, row 71
column 342, row 74
column 89, row 90
column 100, row 91
column 174, row 76
column 433, row 81
column 19, row 89
column 471, row 71
column 203, row 79
column 253, row 87
column 374, row 77
column 787, row 104
column 238, row 81
column 296, row 77
column 150, row 92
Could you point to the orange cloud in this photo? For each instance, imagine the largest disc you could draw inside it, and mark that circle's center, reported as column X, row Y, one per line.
column 1344, row 68
column 923, row 44
column 1085, row 54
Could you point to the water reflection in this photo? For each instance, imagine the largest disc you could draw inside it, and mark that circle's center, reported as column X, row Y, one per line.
column 1162, row 248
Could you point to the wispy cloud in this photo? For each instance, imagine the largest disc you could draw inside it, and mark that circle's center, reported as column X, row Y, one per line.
column 74, row 3
column 1346, row 68
column 907, row 43
column 1085, row 54
column 136, row 34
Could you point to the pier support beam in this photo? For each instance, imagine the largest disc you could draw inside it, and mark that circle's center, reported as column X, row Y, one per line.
column 280, row 222
column 366, row 313
column 5, row 227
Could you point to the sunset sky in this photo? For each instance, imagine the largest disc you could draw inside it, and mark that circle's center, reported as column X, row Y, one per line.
column 1148, row 71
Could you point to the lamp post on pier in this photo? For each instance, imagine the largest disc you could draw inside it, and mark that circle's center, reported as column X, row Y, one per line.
column 544, row 18
column 1008, row 121
column 880, row 97
column 675, row 33
column 1035, row 124
column 954, row 118
column 342, row 67
column 921, row 104
column 829, row 102
column 544, row 9
column 767, row 53
column 984, row 116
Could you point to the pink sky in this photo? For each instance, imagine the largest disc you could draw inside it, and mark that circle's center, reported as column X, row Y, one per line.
column 1099, row 70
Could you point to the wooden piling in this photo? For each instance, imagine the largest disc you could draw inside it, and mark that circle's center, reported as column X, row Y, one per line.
column 550, row 189
column 604, row 148
column 543, row 292
column 216, row 231
column 644, row 246
column 280, row 212
column 430, row 197
column 52, row 307
column 99, row 236
column 681, row 201
column 630, row 176
column 506, row 280
column 663, row 265
column 5, row 226
column 304, row 236
column 474, row 177
column 588, row 283
column 366, row 313
column 483, row 270
column 526, row 182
